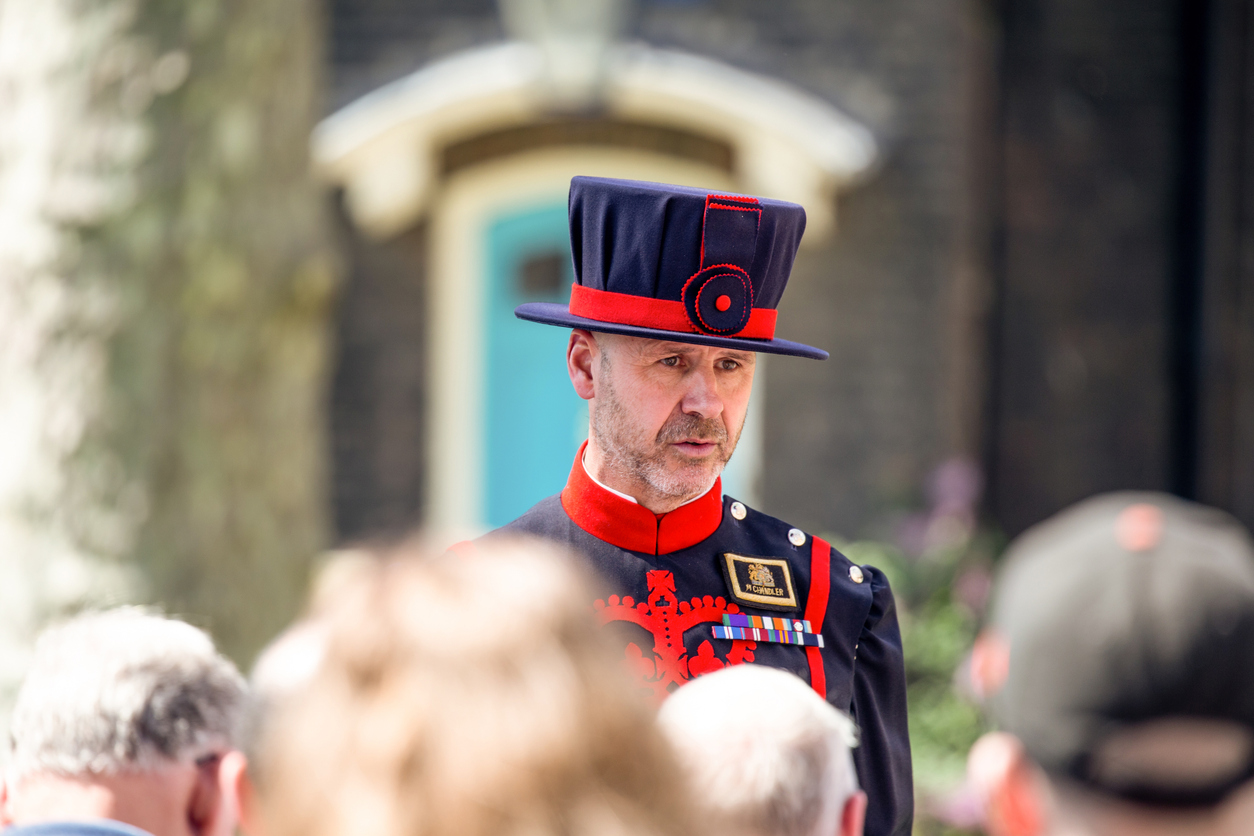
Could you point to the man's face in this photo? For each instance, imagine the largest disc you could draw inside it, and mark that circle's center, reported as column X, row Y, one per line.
column 666, row 416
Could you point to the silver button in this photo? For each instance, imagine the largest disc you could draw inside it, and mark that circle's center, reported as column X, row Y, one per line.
column 855, row 573
column 797, row 537
column 738, row 510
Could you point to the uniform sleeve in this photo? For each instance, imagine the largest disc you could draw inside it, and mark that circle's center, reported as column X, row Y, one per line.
column 879, row 707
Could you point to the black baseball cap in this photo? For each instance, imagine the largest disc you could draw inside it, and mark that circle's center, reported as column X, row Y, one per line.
column 1129, row 622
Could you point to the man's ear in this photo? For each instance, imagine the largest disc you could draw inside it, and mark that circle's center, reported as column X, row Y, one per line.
column 241, row 795
column 853, row 817
column 211, row 810
column 581, row 356
column 1010, row 785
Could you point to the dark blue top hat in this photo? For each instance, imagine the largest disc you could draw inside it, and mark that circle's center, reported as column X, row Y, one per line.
column 677, row 263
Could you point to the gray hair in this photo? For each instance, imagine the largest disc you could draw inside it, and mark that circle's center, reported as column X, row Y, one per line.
column 766, row 755
column 123, row 689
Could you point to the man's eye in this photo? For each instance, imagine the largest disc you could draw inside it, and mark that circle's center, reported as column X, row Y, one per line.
column 670, row 361
column 730, row 365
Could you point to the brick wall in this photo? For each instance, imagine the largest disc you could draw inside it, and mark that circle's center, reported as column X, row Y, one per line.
column 1091, row 102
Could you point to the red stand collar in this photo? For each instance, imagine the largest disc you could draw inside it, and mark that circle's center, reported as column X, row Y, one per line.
column 631, row 526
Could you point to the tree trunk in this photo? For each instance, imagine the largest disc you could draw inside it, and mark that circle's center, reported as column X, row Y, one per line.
column 165, row 288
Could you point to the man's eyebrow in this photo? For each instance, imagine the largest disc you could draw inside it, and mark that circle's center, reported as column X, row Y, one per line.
column 660, row 349
column 669, row 348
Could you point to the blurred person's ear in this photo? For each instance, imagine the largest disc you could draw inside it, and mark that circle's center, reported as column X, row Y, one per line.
column 581, row 355
column 209, row 808
column 239, row 792
column 6, row 817
column 1009, row 784
column 853, row 817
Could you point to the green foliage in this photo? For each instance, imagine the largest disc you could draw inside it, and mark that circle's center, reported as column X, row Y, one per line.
column 221, row 284
column 940, row 598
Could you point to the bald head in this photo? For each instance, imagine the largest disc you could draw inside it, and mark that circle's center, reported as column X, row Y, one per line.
column 766, row 755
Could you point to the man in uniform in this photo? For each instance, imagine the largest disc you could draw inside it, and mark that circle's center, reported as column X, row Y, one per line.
column 676, row 290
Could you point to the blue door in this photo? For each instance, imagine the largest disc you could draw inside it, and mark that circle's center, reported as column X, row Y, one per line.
column 535, row 422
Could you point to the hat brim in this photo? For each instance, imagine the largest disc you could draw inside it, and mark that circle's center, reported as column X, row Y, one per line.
column 552, row 313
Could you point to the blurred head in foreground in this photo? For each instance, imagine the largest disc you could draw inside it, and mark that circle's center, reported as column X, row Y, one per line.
column 469, row 696
column 765, row 755
column 1119, row 666
column 125, row 716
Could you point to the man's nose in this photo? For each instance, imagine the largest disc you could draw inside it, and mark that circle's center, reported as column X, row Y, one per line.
column 702, row 397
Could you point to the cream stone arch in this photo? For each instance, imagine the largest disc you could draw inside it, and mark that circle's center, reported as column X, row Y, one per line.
column 384, row 149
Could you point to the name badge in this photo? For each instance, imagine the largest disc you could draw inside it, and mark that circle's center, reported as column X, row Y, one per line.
column 760, row 581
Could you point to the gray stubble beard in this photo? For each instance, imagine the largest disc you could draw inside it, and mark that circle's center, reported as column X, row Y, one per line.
column 620, row 455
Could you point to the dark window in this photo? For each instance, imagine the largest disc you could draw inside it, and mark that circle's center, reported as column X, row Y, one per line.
column 544, row 274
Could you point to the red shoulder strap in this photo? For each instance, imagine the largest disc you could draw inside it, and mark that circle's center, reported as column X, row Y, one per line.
column 816, row 607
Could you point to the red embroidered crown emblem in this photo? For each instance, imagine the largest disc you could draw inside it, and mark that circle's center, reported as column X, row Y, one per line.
column 667, row 618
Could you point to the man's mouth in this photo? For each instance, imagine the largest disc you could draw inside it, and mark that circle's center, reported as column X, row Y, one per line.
column 696, row 447
column 694, row 439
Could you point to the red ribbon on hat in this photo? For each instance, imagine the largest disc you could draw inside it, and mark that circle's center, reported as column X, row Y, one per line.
column 667, row 315
column 662, row 314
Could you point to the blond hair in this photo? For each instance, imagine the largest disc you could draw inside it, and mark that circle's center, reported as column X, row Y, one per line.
column 470, row 696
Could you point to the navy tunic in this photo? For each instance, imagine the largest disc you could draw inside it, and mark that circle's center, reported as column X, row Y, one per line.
column 671, row 583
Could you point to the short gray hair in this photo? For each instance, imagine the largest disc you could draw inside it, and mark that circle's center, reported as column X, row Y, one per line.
column 123, row 689
column 765, row 753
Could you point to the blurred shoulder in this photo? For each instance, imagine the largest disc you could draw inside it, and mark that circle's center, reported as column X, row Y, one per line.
column 98, row 827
